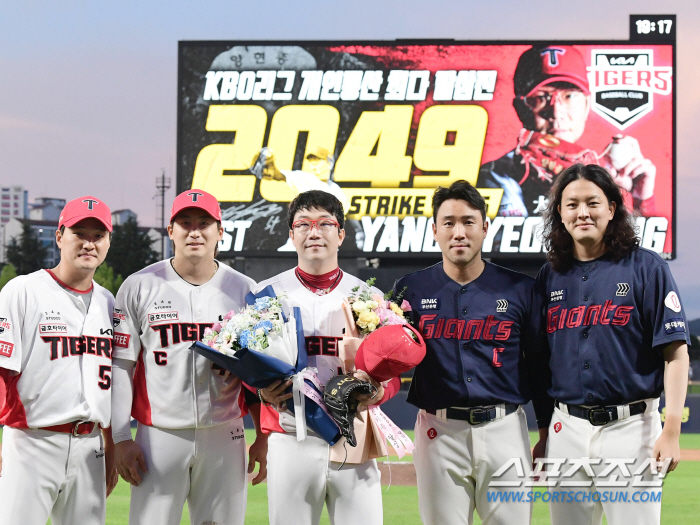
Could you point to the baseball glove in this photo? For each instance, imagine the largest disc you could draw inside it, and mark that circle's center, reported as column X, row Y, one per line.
column 342, row 406
column 550, row 155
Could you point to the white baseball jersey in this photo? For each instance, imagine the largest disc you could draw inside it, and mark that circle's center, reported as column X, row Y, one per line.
column 323, row 320
column 301, row 475
column 57, row 358
column 157, row 317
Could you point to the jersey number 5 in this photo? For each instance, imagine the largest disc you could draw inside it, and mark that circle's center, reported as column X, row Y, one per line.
column 106, row 379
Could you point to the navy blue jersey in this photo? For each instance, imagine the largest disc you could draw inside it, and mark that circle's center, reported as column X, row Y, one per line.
column 606, row 324
column 476, row 335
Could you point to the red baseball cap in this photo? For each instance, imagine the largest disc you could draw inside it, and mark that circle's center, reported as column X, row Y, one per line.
column 85, row 208
column 196, row 199
column 539, row 66
column 389, row 351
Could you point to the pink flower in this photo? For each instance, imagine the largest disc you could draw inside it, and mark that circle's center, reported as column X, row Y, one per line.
column 207, row 331
column 383, row 314
column 395, row 319
column 229, row 315
column 216, row 328
column 405, row 306
column 378, row 298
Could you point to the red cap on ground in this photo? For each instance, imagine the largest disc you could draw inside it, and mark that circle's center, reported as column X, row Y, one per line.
column 390, row 351
column 196, row 199
column 85, row 208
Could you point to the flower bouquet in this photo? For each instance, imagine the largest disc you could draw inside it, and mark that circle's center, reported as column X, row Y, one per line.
column 260, row 344
column 379, row 340
column 385, row 344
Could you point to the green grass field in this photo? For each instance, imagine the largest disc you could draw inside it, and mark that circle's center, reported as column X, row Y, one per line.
column 401, row 503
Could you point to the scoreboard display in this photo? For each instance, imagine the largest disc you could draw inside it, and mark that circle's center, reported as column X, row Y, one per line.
column 380, row 125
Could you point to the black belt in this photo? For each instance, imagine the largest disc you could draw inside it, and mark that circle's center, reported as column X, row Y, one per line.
column 474, row 415
column 599, row 416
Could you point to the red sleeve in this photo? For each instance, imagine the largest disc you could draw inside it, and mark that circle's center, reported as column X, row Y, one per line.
column 2, row 390
column 391, row 389
column 247, row 398
column 269, row 419
column 242, row 405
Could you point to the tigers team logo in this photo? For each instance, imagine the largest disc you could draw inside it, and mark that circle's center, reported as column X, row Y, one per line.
column 623, row 83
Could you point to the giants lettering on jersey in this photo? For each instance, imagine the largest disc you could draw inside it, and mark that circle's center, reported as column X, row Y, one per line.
column 85, row 344
column 487, row 329
column 178, row 332
column 321, row 345
column 559, row 318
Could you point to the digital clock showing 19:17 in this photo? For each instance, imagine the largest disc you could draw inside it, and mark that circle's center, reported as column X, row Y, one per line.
column 653, row 27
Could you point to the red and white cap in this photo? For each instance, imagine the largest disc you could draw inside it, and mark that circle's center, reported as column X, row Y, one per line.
column 390, row 351
column 196, row 199
column 87, row 207
column 539, row 66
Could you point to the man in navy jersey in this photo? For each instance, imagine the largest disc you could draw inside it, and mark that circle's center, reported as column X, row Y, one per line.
column 617, row 335
column 475, row 319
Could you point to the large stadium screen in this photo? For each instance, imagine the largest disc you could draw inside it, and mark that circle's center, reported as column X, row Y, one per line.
column 381, row 125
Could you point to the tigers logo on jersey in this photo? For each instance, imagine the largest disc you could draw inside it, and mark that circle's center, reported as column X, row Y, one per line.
column 4, row 325
column 118, row 317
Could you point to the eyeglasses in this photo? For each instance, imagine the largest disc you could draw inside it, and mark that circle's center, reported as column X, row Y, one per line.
column 322, row 225
column 567, row 97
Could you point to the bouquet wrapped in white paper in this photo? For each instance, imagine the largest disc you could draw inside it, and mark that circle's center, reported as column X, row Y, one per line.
column 260, row 326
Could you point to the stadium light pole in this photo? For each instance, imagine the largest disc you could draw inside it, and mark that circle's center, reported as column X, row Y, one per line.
column 162, row 184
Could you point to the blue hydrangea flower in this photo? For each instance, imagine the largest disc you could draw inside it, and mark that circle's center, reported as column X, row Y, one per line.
column 262, row 303
column 265, row 325
column 246, row 338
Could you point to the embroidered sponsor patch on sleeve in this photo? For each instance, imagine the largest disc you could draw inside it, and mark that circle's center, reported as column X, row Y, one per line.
column 676, row 324
column 121, row 340
column 6, row 349
column 672, row 302
column 118, row 318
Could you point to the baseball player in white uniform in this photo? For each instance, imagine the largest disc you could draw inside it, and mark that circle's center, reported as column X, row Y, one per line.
column 56, row 363
column 302, row 476
column 189, row 444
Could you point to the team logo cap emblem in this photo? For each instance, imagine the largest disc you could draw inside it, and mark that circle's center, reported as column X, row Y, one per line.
column 86, row 207
column 195, row 198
